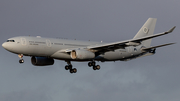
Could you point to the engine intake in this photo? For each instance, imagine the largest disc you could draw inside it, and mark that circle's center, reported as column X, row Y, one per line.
column 42, row 61
column 82, row 54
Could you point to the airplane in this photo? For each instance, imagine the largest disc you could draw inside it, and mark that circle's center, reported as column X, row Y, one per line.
column 43, row 51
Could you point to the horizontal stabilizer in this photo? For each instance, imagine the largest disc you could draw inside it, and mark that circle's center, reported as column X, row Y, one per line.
column 146, row 49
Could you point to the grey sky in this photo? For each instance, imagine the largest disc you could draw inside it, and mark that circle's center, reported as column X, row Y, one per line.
column 153, row 78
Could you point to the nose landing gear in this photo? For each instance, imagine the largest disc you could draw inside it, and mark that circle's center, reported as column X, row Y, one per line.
column 21, row 60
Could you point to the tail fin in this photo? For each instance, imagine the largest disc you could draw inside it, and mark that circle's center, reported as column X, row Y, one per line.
column 146, row 30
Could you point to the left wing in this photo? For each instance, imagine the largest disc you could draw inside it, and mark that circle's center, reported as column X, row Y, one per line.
column 123, row 44
column 154, row 47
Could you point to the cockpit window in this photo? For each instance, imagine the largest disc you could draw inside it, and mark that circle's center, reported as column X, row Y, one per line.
column 10, row 41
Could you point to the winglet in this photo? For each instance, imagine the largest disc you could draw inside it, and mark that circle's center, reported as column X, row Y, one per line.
column 171, row 30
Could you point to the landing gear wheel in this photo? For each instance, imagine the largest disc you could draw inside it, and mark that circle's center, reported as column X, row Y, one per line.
column 90, row 64
column 21, row 61
column 94, row 67
column 74, row 70
column 93, row 63
column 71, row 71
column 66, row 67
column 98, row 67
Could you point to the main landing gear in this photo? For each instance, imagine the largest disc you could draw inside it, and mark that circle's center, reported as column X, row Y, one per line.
column 21, row 60
column 93, row 64
column 74, row 70
column 69, row 67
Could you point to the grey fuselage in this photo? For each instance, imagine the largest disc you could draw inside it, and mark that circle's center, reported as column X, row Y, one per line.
column 51, row 47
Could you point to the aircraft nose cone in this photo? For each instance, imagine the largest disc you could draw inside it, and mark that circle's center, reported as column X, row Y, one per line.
column 8, row 46
column 3, row 45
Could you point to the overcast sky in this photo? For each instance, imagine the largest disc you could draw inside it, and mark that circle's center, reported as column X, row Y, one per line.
column 152, row 78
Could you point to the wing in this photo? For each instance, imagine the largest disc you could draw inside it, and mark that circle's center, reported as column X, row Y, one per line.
column 122, row 44
column 154, row 47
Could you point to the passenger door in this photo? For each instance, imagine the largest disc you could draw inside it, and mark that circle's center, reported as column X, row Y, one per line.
column 23, row 41
column 48, row 42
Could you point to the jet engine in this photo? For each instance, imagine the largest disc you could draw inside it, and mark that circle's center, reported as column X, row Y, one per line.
column 42, row 61
column 82, row 54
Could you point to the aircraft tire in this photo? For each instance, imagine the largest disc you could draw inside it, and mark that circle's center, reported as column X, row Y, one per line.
column 93, row 63
column 90, row 64
column 66, row 67
column 74, row 70
column 21, row 61
column 98, row 67
column 94, row 68
column 71, row 71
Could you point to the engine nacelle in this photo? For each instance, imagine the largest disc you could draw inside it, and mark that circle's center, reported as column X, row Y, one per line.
column 42, row 61
column 82, row 54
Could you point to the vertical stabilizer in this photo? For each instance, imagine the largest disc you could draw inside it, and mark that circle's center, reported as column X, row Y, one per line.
column 146, row 30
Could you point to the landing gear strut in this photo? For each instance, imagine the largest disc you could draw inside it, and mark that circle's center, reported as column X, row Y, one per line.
column 93, row 64
column 21, row 56
column 69, row 67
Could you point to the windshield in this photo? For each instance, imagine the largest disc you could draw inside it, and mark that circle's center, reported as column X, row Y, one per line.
column 10, row 41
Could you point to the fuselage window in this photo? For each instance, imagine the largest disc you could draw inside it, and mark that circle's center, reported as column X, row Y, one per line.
column 10, row 41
